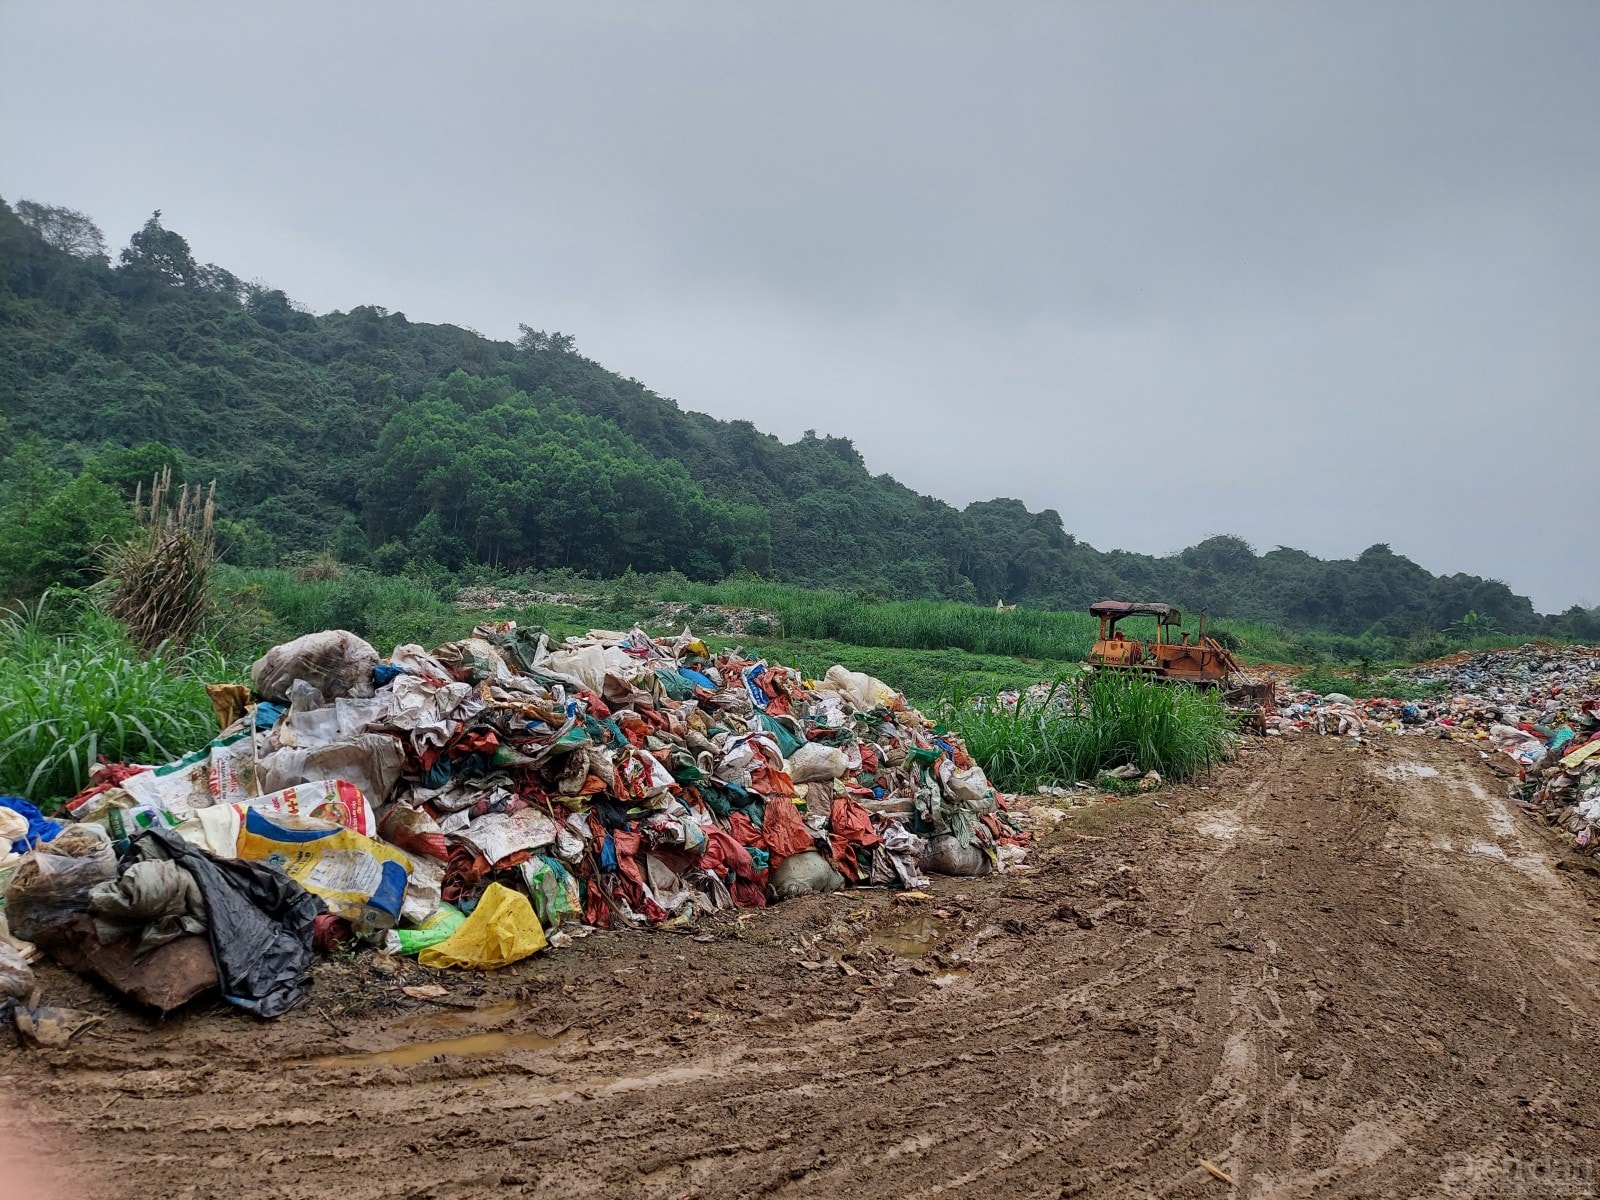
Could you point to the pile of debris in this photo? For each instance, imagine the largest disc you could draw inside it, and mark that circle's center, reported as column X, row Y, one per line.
column 1521, row 677
column 1533, row 711
column 474, row 804
column 1515, row 699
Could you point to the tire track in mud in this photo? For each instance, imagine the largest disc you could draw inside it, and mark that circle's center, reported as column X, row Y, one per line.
column 1305, row 977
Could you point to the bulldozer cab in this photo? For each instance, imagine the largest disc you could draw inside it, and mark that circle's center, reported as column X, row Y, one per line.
column 1114, row 648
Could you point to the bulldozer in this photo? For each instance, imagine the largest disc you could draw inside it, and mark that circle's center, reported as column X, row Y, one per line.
column 1204, row 661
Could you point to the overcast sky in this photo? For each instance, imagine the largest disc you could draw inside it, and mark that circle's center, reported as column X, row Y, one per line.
column 1322, row 275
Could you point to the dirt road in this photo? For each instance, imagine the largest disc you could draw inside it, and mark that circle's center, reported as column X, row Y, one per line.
column 1330, row 973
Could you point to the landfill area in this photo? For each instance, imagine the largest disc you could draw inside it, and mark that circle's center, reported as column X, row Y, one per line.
column 623, row 917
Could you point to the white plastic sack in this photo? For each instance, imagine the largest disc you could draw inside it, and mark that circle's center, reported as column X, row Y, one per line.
column 500, row 835
column 970, row 788
column 335, row 801
column 945, row 855
column 427, row 711
column 222, row 770
column 805, row 874
column 13, row 828
column 16, row 976
column 588, row 664
column 336, row 662
column 424, row 891
column 371, row 761
column 816, row 763
column 860, row 689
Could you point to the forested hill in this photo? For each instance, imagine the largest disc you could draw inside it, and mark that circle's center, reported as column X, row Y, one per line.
column 385, row 441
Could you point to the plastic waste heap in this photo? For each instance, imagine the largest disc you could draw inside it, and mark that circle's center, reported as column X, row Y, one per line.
column 467, row 803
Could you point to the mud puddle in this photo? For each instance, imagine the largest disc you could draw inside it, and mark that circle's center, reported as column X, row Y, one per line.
column 478, row 1045
column 911, row 938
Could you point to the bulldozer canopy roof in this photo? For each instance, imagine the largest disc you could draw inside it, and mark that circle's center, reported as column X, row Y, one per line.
column 1165, row 614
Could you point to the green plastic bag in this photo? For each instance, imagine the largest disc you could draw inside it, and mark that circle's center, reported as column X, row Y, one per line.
column 554, row 891
column 432, row 931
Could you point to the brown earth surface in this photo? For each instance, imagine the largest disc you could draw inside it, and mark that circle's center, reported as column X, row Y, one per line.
column 1330, row 972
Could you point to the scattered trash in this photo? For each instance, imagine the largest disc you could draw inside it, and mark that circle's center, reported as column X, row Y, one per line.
column 1216, row 1172
column 426, row 991
column 16, row 976
column 430, row 932
column 51, row 1027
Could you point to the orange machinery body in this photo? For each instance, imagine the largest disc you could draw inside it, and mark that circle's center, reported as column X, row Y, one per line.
column 1203, row 661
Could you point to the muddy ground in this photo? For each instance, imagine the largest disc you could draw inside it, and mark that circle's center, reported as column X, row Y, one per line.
column 1329, row 972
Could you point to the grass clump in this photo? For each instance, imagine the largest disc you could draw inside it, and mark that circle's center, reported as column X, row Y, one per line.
column 159, row 575
column 1090, row 724
column 80, row 690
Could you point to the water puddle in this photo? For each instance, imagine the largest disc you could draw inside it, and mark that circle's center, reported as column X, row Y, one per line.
column 911, row 938
column 413, row 1054
column 466, row 1017
column 1408, row 770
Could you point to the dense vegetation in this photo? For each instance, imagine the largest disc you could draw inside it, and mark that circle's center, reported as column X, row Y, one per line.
column 396, row 445
column 74, row 689
column 1091, row 724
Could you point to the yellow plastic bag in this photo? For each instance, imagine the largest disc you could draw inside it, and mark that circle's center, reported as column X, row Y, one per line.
column 501, row 930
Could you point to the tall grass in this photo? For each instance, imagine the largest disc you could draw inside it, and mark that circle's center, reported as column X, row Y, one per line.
column 389, row 609
column 908, row 624
column 1090, row 724
column 262, row 607
column 160, row 573
column 66, row 699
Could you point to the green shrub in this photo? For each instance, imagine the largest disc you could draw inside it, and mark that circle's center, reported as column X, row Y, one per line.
column 53, row 524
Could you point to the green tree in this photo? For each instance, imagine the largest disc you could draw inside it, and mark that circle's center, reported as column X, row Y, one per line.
column 158, row 254
column 52, row 524
column 64, row 229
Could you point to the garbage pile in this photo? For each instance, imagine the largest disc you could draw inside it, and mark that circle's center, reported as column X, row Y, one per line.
column 1515, row 699
column 474, row 804
column 1533, row 711
column 1523, row 677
